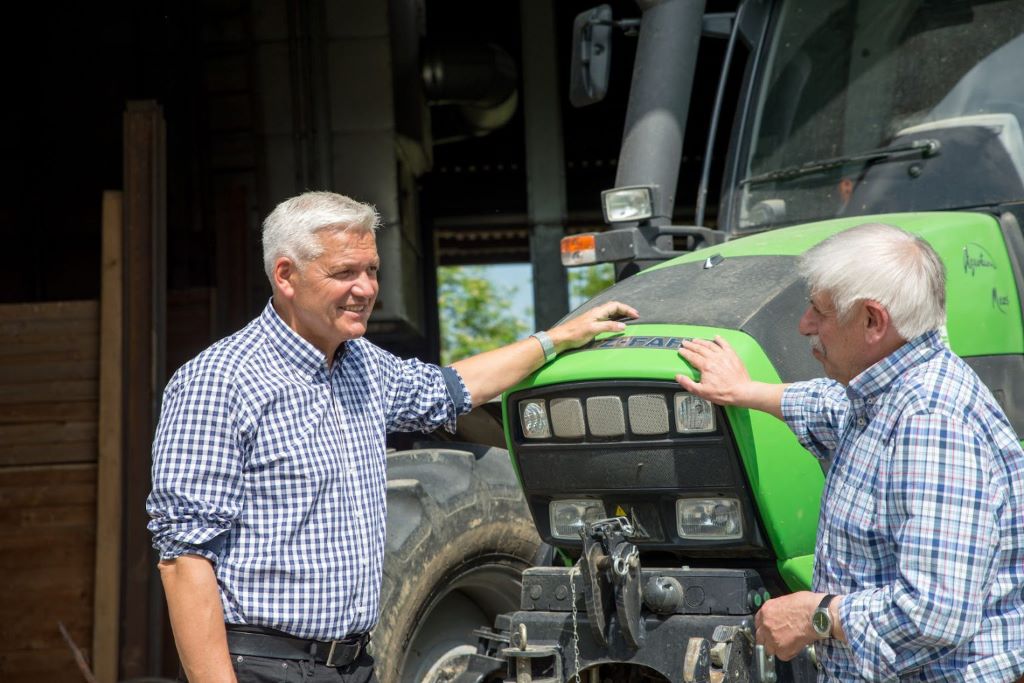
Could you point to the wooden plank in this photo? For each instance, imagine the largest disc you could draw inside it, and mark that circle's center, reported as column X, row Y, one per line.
column 46, row 545
column 59, row 546
column 29, row 368
column 31, row 666
column 54, row 345
column 145, row 285
column 47, row 433
column 50, row 310
column 38, row 392
column 107, row 559
column 62, row 327
column 44, row 519
column 14, row 413
column 53, row 454
column 43, row 484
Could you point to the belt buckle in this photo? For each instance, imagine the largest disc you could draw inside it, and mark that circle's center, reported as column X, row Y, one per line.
column 334, row 646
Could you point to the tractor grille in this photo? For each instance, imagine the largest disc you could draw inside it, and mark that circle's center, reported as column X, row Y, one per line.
column 604, row 413
column 648, row 414
column 567, row 418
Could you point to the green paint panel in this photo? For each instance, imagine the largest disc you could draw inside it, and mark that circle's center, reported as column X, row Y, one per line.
column 798, row 572
column 785, row 479
column 797, row 239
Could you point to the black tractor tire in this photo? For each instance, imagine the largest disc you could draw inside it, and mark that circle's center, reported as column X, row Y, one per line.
column 459, row 535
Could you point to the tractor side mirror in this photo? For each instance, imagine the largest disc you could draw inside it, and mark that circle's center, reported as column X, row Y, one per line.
column 591, row 55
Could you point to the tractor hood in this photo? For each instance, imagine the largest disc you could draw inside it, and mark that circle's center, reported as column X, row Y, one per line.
column 760, row 295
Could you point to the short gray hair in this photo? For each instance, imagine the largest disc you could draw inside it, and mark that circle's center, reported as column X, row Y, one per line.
column 290, row 229
column 885, row 264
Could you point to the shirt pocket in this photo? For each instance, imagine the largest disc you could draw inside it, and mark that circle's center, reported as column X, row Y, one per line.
column 283, row 448
column 857, row 544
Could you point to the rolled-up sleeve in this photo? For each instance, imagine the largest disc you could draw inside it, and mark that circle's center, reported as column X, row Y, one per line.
column 421, row 396
column 815, row 411
column 942, row 514
column 197, row 468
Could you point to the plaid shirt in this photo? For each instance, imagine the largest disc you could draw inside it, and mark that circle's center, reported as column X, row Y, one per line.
column 922, row 519
column 272, row 466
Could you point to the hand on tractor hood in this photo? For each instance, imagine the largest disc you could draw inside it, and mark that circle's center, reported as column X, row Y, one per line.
column 724, row 379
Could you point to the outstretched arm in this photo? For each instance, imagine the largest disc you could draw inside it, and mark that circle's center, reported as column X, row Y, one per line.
column 724, row 379
column 488, row 374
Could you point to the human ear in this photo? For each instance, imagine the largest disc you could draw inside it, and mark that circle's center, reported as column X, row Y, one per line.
column 284, row 272
column 877, row 322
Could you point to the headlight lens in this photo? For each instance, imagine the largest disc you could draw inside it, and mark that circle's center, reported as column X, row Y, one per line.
column 713, row 519
column 534, row 417
column 627, row 204
column 694, row 415
column 569, row 516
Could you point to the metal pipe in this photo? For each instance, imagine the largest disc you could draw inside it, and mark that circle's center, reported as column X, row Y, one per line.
column 705, row 173
column 666, row 58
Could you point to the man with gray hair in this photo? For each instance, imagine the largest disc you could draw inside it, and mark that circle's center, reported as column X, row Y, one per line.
column 919, row 561
column 268, row 496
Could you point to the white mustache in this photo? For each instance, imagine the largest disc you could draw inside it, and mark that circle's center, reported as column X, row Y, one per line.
column 816, row 344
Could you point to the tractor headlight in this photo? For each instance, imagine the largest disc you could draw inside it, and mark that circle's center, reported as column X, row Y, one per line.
column 712, row 519
column 534, row 417
column 627, row 204
column 694, row 415
column 569, row 516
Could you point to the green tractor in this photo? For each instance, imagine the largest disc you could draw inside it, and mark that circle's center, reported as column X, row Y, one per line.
column 667, row 521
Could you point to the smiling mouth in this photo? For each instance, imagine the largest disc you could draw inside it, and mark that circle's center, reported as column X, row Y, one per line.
column 354, row 309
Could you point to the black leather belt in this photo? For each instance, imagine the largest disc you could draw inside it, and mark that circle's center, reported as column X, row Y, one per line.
column 251, row 641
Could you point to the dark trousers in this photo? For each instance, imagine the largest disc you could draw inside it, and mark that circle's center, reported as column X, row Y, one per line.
column 267, row 670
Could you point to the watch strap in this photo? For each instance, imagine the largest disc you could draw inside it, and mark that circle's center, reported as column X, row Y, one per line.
column 546, row 344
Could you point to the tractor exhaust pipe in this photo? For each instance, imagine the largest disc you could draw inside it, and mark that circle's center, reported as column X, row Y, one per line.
column 666, row 59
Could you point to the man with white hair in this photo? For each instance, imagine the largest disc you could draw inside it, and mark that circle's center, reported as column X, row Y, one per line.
column 268, row 498
column 919, row 561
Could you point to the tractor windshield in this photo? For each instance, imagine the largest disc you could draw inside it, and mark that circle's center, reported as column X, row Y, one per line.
column 876, row 106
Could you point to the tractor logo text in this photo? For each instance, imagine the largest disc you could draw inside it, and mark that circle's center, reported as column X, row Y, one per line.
column 976, row 257
column 1000, row 301
column 637, row 342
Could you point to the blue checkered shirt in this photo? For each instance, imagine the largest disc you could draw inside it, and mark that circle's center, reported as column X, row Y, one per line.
column 922, row 519
column 272, row 466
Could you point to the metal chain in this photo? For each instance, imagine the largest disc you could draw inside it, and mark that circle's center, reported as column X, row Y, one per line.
column 575, row 624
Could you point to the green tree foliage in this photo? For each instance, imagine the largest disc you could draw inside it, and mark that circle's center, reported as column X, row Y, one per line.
column 475, row 314
column 589, row 281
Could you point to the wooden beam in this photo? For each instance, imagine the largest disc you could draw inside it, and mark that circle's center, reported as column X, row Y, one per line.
column 107, row 595
column 145, row 286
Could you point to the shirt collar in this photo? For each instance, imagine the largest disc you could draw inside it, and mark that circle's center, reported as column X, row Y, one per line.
column 880, row 376
column 295, row 350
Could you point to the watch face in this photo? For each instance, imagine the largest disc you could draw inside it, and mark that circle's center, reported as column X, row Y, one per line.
column 821, row 620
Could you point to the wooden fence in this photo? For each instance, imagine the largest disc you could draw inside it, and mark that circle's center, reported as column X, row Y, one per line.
column 49, row 373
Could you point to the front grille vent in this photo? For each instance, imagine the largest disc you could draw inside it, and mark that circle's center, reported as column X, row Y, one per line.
column 567, row 418
column 606, row 417
column 648, row 414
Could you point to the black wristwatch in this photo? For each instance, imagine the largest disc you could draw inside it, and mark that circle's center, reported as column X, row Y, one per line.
column 821, row 619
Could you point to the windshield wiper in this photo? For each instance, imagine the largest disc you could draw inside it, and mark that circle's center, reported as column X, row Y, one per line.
column 926, row 148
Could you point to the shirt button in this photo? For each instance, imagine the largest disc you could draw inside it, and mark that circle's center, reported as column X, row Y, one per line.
column 871, row 401
column 861, row 421
column 361, row 610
